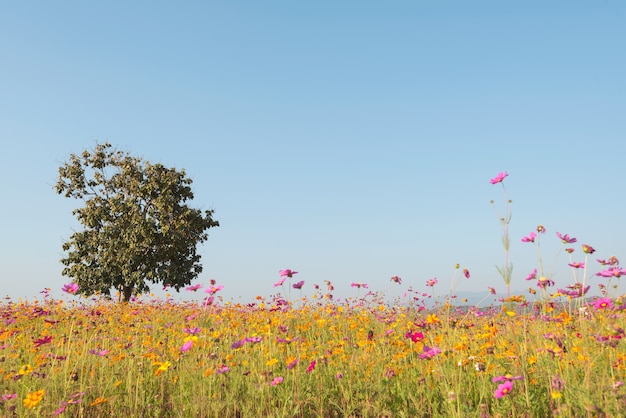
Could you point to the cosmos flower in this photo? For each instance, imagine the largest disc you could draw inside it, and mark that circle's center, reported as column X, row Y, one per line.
column 466, row 273
column 577, row 265
column 612, row 272
column 506, row 378
column 194, row 288
column 431, row 282
column 33, row 399
column 588, row 249
column 298, row 285
column 311, row 366
column 70, row 288
column 503, row 389
column 498, row 179
column 358, row 285
column 277, row 381
column 530, row 238
column 396, row 279
column 287, row 273
column 532, row 275
column 565, row 239
column 603, row 303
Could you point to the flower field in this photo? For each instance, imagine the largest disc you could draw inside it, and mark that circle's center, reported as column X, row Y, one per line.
column 358, row 358
column 558, row 354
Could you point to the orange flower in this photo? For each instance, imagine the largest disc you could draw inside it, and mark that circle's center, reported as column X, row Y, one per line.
column 32, row 399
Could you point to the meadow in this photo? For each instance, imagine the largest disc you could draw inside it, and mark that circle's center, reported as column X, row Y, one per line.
column 557, row 355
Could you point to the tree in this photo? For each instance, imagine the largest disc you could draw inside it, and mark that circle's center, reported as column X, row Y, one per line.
column 137, row 225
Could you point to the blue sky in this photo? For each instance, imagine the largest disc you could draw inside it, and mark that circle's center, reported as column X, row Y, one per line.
column 350, row 141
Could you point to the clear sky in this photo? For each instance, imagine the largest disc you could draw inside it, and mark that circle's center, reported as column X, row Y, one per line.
column 346, row 140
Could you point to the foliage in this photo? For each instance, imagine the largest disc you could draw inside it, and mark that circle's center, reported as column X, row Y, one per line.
column 137, row 225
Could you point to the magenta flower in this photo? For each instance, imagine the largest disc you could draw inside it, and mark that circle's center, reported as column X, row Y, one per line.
column 506, row 378
column 429, row 352
column 280, row 282
column 358, row 285
column 214, row 289
column 491, row 290
column 613, row 261
column 311, row 366
column 223, row 369
column 566, row 238
column 588, row 249
column 532, row 275
column 8, row 396
column 432, row 282
column 414, row 336
column 277, row 381
column 287, row 273
column 187, row 346
column 193, row 288
column 396, row 279
column 466, row 273
column 576, row 290
column 498, row 179
column 42, row 341
column 577, row 265
column 298, row 285
column 612, row 272
column 544, row 282
column 603, row 303
column 70, row 288
column 503, row 389
column 530, row 237
column 192, row 331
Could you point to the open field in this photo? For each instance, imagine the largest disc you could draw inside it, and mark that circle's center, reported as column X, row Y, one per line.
column 312, row 358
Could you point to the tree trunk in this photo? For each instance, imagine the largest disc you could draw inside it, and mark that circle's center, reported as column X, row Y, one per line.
column 127, row 292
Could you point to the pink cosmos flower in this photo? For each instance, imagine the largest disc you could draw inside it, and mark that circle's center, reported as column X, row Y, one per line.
column 466, row 273
column 498, row 179
column 311, row 366
column 277, row 381
column 491, row 290
column 358, row 285
column 187, row 346
column 577, row 265
column 530, row 237
column 576, row 290
column 532, row 275
column 280, row 282
column 588, row 249
column 298, row 285
column 613, row 261
column 503, row 389
column 566, row 238
column 287, row 273
column 193, row 288
column 506, row 378
column 429, row 352
column 214, row 289
column 70, row 288
column 42, row 341
column 396, row 279
column 414, row 336
column 612, row 272
column 603, row 303
column 431, row 282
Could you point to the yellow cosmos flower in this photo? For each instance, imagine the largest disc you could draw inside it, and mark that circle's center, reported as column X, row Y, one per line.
column 32, row 399
column 25, row 369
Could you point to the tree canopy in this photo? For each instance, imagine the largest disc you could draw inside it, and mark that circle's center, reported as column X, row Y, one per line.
column 138, row 227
